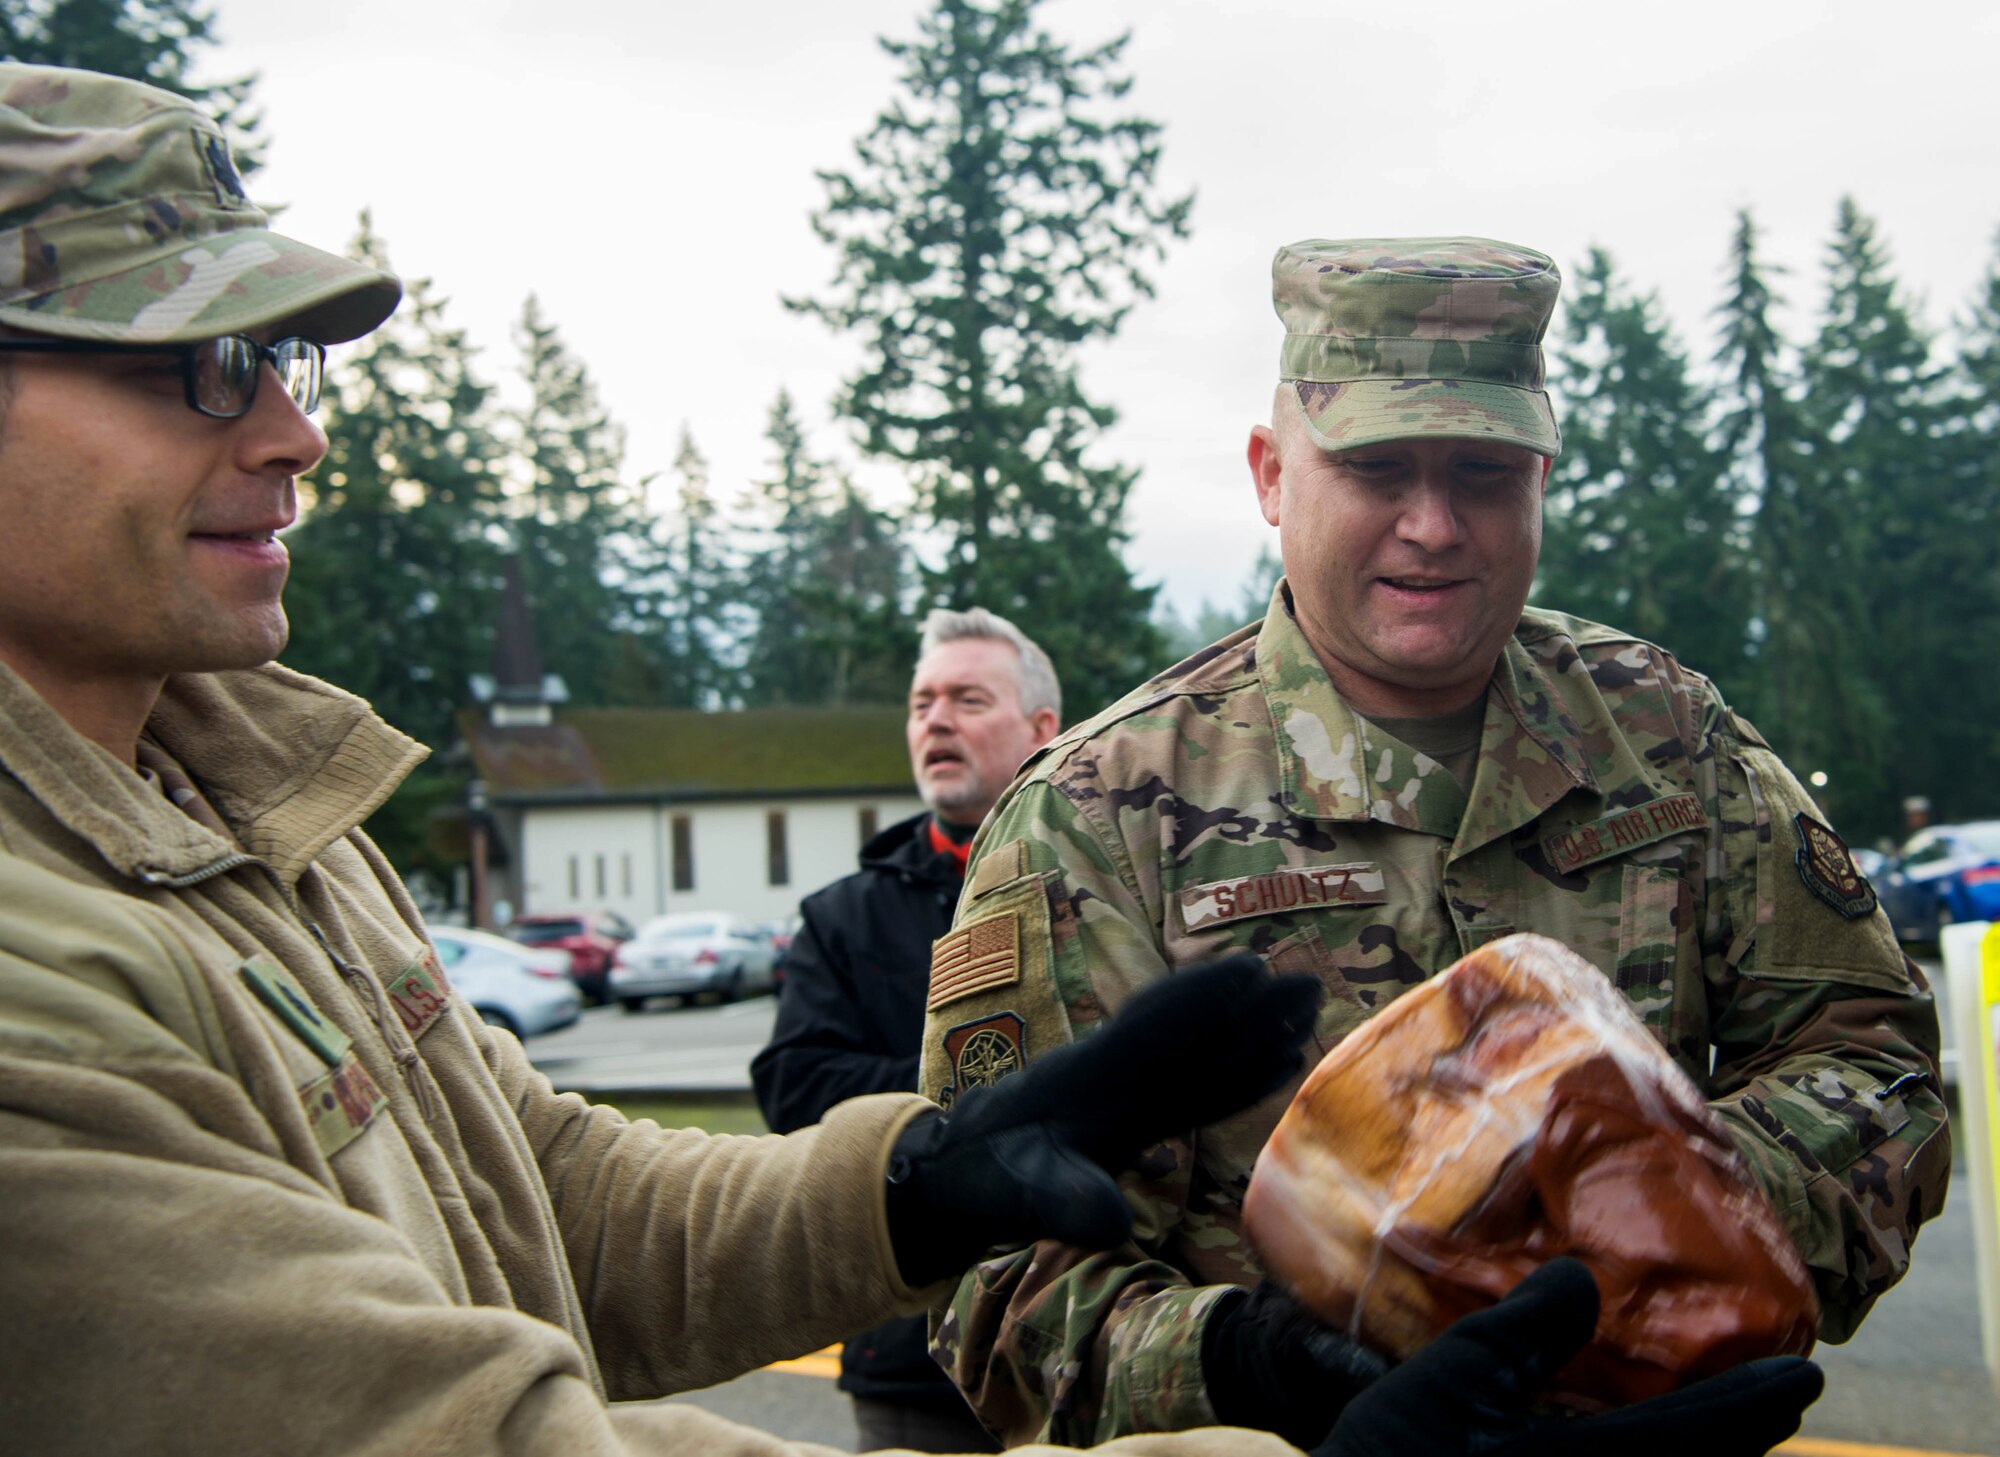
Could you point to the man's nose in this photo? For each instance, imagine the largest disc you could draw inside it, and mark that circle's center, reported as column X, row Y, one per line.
column 275, row 435
column 1429, row 517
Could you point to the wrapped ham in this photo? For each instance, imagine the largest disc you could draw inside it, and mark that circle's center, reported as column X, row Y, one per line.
column 1508, row 1111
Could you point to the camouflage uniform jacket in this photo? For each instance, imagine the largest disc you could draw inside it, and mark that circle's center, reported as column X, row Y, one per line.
column 1236, row 802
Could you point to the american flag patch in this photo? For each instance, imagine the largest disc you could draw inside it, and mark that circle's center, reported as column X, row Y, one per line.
column 975, row 958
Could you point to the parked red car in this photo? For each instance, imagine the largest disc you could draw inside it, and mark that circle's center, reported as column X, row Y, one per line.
column 590, row 938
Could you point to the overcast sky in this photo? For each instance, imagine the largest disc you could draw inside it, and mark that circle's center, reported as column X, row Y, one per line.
column 646, row 168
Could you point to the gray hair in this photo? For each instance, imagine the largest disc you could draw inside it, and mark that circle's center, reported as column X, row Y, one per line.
column 1039, row 688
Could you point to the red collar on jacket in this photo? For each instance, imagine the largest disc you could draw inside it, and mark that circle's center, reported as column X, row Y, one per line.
column 942, row 843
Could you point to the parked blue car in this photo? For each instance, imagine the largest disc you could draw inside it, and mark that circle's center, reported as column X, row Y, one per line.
column 1943, row 873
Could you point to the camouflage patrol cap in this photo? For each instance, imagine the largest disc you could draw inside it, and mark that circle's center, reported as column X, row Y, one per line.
column 122, row 218
column 1400, row 338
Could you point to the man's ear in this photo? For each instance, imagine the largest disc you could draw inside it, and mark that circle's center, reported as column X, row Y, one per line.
column 1548, row 464
column 1266, row 469
column 1044, row 723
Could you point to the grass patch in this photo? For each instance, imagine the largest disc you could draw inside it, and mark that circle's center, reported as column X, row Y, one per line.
column 715, row 1113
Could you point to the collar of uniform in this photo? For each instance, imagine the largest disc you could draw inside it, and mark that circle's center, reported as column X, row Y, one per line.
column 1332, row 763
column 1335, row 765
column 1533, row 749
column 291, row 763
column 94, row 796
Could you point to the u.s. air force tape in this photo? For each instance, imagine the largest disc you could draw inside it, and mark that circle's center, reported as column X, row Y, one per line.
column 1622, row 830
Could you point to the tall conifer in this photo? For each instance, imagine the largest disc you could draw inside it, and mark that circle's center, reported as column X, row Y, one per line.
column 580, row 527
column 395, row 570
column 1888, row 527
column 1641, row 528
column 824, row 580
column 1764, row 433
column 697, row 600
column 1000, row 214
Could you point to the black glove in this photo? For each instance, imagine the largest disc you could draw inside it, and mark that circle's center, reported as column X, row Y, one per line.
column 1027, row 1158
column 1469, row 1392
column 1269, row 1362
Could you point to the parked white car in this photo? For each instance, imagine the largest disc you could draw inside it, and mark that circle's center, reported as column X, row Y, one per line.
column 687, row 954
column 526, row 991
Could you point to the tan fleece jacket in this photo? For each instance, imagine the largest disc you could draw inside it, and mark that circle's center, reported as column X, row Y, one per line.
column 265, row 1186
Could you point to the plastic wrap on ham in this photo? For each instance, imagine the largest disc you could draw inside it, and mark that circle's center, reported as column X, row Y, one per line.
column 1508, row 1111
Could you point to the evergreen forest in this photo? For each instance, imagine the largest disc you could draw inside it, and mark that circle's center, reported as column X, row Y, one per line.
column 1810, row 518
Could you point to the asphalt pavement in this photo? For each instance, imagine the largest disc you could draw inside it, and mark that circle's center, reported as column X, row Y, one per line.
column 1912, row 1380
column 661, row 1049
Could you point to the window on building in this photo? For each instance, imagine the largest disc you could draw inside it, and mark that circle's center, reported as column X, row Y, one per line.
column 774, row 843
column 600, row 877
column 868, row 823
column 683, row 852
column 625, row 875
column 575, row 880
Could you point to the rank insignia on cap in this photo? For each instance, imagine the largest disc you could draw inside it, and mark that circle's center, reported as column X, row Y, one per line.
column 976, row 957
column 981, row 1053
column 221, row 169
column 1828, row 869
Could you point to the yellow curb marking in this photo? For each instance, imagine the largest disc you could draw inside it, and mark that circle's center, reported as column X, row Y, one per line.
column 1829, row 1447
column 827, row 1363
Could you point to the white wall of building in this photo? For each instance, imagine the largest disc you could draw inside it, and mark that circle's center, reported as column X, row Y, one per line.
column 620, row 857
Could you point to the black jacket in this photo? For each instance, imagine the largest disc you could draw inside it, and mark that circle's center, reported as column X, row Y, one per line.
column 851, row 1021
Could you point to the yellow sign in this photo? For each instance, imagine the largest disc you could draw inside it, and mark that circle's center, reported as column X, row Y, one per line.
column 1972, row 972
column 1989, row 1055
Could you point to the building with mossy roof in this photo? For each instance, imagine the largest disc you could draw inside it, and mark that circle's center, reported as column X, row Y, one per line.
column 647, row 811
column 655, row 811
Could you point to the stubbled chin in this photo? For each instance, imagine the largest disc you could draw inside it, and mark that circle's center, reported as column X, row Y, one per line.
column 256, row 636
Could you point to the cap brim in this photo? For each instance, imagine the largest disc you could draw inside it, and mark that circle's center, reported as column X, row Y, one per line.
column 1355, row 413
column 230, row 283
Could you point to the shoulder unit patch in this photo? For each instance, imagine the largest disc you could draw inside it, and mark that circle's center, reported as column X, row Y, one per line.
column 1828, row 869
column 982, row 1052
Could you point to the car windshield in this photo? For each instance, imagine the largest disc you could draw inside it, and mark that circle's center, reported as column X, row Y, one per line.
column 536, row 933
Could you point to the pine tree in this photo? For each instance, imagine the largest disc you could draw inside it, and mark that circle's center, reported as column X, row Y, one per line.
column 858, row 630
column 824, row 583
column 1641, row 527
column 394, row 574
column 155, row 41
column 1978, row 368
column 1959, row 583
column 1766, row 438
column 394, row 580
column 696, row 589
column 999, row 217
column 779, row 666
column 581, row 530
column 1887, row 520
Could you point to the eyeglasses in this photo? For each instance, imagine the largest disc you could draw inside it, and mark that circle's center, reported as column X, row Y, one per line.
column 218, row 375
